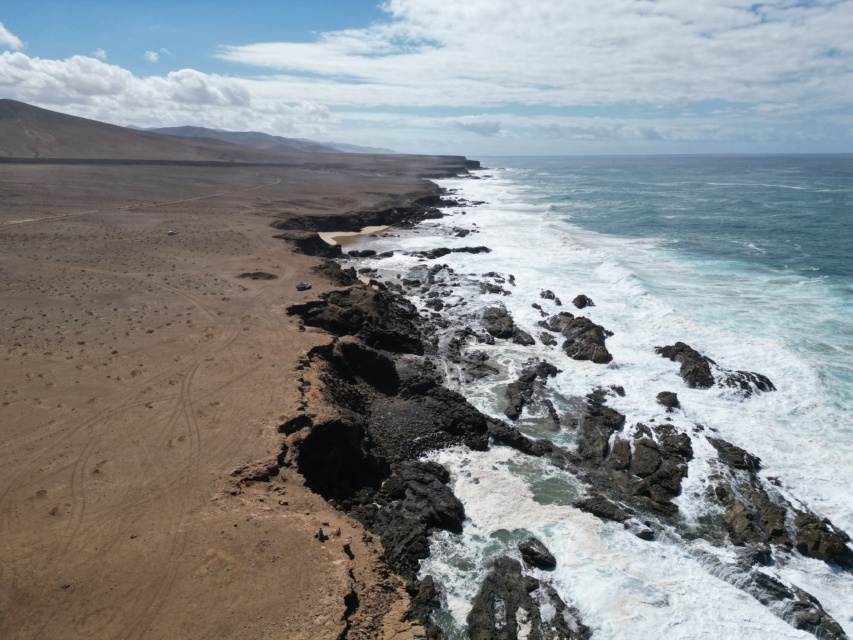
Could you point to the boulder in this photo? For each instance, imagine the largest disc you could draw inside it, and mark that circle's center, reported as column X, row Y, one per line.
column 511, row 606
column 695, row 368
column 498, row 322
column 585, row 340
column 581, row 302
column 668, row 399
column 536, row 554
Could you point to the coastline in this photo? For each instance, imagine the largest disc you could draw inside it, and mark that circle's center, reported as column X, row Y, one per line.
column 142, row 496
column 322, row 481
column 619, row 488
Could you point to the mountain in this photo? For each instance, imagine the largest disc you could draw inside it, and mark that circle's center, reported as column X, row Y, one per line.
column 354, row 148
column 252, row 139
column 31, row 132
column 268, row 142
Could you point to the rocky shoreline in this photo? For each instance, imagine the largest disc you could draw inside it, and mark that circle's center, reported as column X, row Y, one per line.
column 374, row 402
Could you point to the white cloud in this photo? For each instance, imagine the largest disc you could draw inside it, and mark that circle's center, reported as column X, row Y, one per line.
column 587, row 52
column 88, row 87
column 668, row 75
column 481, row 125
column 9, row 40
column 100, row 54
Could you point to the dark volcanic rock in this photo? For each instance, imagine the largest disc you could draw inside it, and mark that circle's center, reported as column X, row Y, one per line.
column 536, row 554
column 520, row 392
column 365, row 253
column 695, row 368
column 547, row 339
column 378, row 318
column 599, row 423
column 432, row 254
column 503, row 433
column 333, row 272
column 509, row 601
column 584, row 339
column 498, row 322
column 603, row 508
column 734, row 456
column 668, row 399
column 818, row 538
column 581, row 302
column 698, row 371
column 522, row 337
column 793, row 605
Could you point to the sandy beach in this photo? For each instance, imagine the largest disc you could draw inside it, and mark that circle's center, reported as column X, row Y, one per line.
column 143, row 384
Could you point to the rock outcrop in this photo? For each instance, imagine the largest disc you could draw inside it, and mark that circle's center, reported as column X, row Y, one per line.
column 698, row 371
column 536, row 554
column 584, row 340
column 511, row 605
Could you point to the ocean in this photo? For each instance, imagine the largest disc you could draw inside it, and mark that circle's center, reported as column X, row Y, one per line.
column 744, row 258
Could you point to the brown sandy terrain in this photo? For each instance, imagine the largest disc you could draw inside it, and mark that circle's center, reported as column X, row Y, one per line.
column 138, row 372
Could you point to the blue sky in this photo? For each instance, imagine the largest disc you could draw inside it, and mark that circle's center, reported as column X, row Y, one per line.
column 482, row 77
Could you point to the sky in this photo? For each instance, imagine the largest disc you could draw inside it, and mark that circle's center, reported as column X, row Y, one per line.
column 476, row 77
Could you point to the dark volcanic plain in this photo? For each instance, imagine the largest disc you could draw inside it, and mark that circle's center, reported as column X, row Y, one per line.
column 143, row 383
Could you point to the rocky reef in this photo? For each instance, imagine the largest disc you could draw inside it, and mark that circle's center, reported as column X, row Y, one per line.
column 375, row 401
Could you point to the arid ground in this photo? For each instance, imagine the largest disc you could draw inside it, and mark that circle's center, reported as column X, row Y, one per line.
column 137, row 373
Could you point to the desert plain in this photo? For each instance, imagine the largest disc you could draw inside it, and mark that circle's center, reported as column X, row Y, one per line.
column 143, row 382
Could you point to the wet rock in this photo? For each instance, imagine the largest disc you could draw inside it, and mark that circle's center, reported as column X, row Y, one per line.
column 509, row 606
column 747, row 381
column 620, row 455
column 520, row 392
column 498, row 322
column 582, row 302
column 432, row 254
column 818, row 538
column 699, row 371
column 503, row 433
column 596, row 427
column 695, row 368
column 434, row 303
column 489, row 287
column 601, row 507
column 584, row 339
column 647, row 458
column 734, row 456
column 366, row 253
column 790, row 603
column 668, row 399
column 547, row 294
column 414, row 502
column 536, row 554
column 522, row 337
column 547, row 339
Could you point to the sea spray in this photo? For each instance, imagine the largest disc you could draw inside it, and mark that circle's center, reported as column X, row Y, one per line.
column 650, row 291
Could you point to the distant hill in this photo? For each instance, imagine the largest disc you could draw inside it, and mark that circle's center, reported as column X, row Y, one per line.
column 31, row 132
column 252, row 139
column 266, row 141
column 354, row 148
